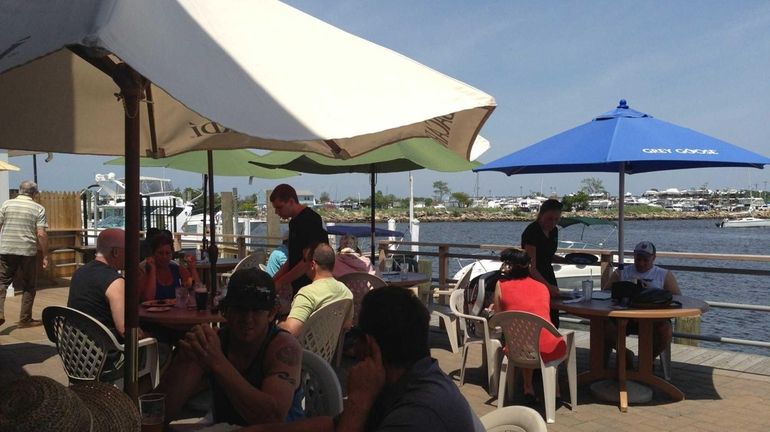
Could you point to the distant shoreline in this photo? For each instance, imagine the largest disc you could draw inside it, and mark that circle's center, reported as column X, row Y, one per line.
column 470, row 215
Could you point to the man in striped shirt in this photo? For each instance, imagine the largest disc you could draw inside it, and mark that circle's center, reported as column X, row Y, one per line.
column 22, row 234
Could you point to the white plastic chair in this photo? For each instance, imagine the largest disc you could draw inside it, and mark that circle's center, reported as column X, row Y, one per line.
column 84, row 343
column 252, row 260
column 360, row 283
column 448, row 318
column 320, row 387
column 522, row 341
column 514, row 419
column 321, row 332
column 491, row 348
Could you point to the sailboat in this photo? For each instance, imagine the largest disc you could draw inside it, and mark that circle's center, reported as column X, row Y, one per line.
column 746, row 221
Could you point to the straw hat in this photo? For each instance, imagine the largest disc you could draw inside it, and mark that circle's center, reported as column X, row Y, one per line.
column 39, row 403
column 111, row 409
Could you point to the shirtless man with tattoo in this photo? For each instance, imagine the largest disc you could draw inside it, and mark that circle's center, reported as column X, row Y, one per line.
column 251, row 366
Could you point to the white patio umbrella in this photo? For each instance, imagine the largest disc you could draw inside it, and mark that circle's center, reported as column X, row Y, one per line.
column 5, row 166
column 212, row 75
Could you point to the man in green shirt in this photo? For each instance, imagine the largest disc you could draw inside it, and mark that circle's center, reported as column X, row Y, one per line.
column 324, row 290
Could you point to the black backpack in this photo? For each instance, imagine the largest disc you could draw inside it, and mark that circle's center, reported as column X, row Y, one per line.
column 653, row 298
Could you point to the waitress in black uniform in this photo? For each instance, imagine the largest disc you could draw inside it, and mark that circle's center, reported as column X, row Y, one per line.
column 540, row 240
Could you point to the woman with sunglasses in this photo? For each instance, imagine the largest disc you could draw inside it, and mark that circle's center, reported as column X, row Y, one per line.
column 251, row 366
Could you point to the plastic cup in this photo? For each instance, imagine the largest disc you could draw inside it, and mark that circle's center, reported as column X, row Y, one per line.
column 152, row 407
column 588, row 289
column 181, row 297
column 404, row 271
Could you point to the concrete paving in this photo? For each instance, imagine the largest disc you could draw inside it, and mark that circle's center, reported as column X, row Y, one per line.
column 723, row 392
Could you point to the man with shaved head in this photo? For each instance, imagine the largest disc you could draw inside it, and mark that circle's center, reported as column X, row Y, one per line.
column 324, row 289
column 97, row 288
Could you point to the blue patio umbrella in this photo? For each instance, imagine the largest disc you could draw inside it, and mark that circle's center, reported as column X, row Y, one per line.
column 625, row 141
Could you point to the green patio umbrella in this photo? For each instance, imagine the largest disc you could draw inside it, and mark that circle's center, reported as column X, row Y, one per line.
column 407, row 155
column 233, row 163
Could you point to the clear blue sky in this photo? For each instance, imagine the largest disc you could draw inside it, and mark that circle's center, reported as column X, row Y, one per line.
column 551, row 66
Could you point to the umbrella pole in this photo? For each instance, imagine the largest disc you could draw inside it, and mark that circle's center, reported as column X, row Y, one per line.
column 204, row 240
column 621, row 213
column 213, row 250
column 34, row 168
column 372, row 182
column 131, row 90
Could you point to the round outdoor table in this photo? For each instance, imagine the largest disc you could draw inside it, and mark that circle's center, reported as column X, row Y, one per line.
column 179, row 317
column 599, row 312
column 404, row 280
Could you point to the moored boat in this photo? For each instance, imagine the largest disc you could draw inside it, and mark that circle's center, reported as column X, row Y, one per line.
column 744, row 222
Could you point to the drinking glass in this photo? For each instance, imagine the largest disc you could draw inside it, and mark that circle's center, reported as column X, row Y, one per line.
column 182, row 296
column 404, row 270
column 201, row 297
column 152, row 407
column 588, row 289
column 388, row 264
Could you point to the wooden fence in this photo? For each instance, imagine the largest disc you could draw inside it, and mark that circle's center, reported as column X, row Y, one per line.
column 62, row 209
column 63, row 212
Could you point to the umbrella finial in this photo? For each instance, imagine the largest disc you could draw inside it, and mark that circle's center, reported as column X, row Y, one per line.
column 622, row 104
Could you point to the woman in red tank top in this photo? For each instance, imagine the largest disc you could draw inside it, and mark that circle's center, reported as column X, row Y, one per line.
column 517, row 291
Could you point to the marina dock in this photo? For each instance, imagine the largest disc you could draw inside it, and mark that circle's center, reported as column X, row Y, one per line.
column 724, row 390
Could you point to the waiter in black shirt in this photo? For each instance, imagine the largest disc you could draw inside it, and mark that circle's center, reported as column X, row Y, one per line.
column 541, row 239
column 305, row 229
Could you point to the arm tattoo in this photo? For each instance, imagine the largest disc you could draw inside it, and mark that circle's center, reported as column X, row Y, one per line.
column 284, row 376
column 289, row 355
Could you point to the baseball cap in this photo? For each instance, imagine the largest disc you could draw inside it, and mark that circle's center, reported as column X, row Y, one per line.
column 644, row 248
column 250, row 289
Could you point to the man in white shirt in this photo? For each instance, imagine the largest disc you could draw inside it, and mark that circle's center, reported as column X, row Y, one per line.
column 23, row 235
column 649, row 275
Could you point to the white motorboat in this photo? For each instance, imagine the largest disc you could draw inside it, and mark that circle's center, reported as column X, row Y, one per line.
column 106, row 209
column 106, row 203
column 568, row 276
column 744, row 222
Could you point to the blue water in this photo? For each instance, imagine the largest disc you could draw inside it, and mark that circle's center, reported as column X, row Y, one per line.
column 669, row 235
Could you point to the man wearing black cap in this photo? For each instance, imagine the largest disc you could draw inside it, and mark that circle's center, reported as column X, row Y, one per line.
column 645, row 272
column 251, row 366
